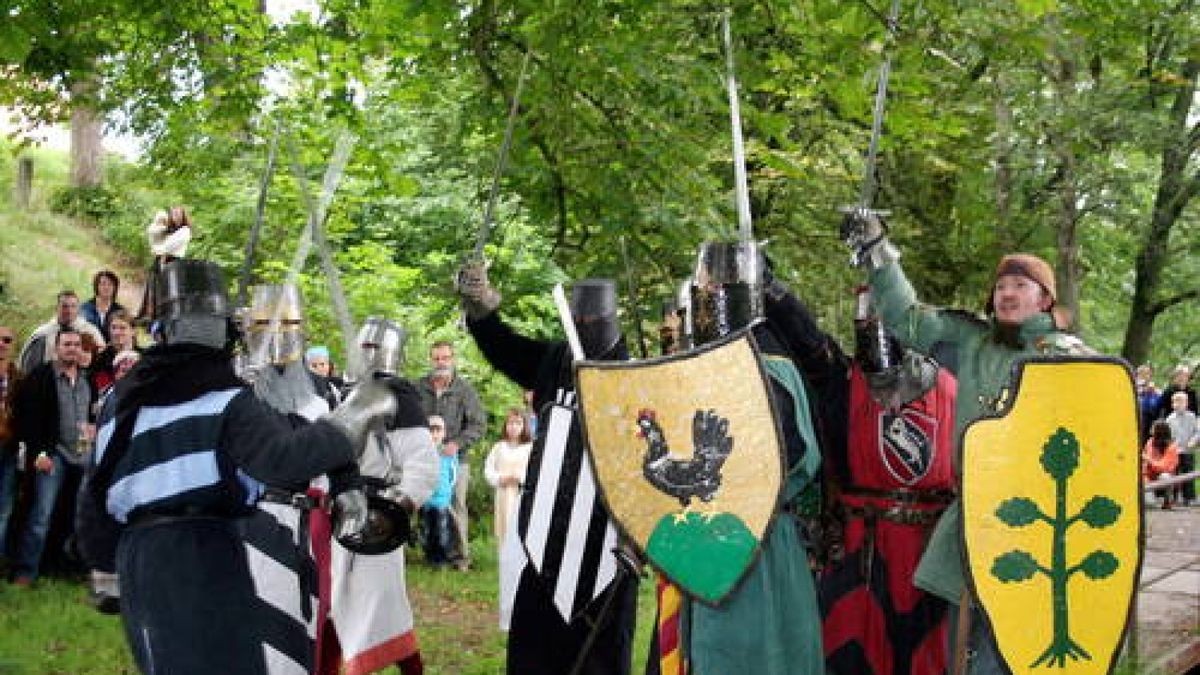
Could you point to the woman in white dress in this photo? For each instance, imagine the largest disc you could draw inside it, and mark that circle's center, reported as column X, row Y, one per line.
column 505, row 468
column 505, row 471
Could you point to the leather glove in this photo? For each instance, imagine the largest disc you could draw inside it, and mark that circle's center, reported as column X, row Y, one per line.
column 395, row 494
column 865, row 232
column 349, row 515
column 370, row 405
column 476, row 294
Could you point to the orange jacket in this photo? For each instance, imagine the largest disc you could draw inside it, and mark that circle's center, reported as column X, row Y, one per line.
column 1155, row 463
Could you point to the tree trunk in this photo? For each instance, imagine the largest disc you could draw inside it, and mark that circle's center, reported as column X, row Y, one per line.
column 1175, row 190
column 1067, row 268
column 1003, row 185
column 87, row 147
column 24, row 186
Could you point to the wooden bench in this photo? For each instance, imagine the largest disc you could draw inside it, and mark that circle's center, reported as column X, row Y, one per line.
column 1172, row 481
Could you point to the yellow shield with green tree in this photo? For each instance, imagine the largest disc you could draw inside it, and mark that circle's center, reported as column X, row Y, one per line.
column 1051, row 499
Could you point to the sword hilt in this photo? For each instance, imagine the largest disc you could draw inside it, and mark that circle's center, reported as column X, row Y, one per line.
column 855, row 230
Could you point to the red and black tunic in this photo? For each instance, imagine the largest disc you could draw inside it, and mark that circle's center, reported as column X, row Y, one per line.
column 898, row 480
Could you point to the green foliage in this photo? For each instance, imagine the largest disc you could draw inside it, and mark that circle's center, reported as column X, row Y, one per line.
column 1060, row 454
column 1014, row 566
column 92, row 203
column 1019, row 512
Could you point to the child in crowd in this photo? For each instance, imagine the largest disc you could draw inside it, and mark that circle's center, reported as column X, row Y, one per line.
column 435, row 513
column 505, row 467
column 1185, row 429
column 1159, row 458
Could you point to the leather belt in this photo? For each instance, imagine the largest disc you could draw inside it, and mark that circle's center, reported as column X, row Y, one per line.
column 904, row 495
column 185, row 514
column 904, row 515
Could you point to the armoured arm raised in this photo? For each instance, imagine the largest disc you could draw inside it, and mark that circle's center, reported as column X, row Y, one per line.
column 520, row 358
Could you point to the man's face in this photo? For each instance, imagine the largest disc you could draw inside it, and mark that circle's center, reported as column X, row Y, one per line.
column 442, row 357
column 7, row 340
column 68, row 349
column 1179, row 402
column 68, row 309
column 1017, row 298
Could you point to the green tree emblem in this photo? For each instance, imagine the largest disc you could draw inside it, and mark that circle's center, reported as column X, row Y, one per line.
column 1060, row 458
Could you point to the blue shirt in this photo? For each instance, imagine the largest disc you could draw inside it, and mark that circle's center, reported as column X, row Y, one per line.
column 447, row 475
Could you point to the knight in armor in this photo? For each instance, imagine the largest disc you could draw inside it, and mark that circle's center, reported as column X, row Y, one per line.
column 184, row 452
column 368, row 624
column 769, row 624
column 286, row 514
column 598, row 637
column 888, row 416
column 1021, row 321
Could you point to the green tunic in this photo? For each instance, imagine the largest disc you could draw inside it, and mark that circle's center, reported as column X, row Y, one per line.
column 985, row 369
column 771, row 623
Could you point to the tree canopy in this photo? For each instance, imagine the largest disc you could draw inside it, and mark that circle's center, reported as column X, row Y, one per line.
column 1066, row 129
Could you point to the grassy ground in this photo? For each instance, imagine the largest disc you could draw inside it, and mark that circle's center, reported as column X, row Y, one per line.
column 51, row 630
column 42, row 255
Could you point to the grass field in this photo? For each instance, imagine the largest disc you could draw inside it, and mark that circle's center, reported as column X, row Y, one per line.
column 50, row 629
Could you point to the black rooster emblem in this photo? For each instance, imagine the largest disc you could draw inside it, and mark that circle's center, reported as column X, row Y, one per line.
column 699, row 476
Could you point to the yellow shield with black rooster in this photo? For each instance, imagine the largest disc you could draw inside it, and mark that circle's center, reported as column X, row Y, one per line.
column 1052, row 524
column 687, row 454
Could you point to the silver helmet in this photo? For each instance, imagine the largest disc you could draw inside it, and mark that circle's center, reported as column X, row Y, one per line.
column 381, row 348
column 274, row 326
column 192, row 304
column 726, row 289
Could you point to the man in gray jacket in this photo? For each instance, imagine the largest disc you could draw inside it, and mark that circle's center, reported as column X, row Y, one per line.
column 445, row 393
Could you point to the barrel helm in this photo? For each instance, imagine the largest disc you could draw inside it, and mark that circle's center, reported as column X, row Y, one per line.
column 193, row 306
column 274, row 326
column 380, row 345
column 594, row 312
column 726, row 289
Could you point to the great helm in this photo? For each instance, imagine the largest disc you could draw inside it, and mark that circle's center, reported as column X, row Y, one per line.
column 274, row 326
column 380, row 347
column 726, row 289
column 192, row 305
column 594, row 313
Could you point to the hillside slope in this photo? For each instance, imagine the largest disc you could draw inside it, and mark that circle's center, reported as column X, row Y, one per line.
column 42, row 253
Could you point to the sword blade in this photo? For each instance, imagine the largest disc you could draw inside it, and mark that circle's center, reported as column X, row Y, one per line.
column 866, row 194
column 259, row 213
column 489, row 211
column 741, row 191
